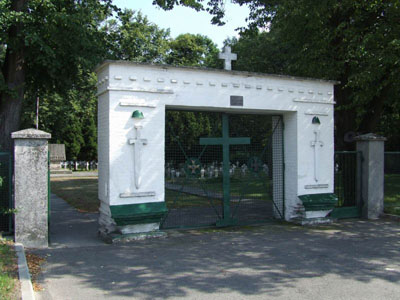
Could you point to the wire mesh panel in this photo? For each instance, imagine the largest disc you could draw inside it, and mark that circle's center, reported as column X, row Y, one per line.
column 347, row 177
column 5, row 192
column 193, row 172
column 392, row 163
column 220, row 169
column 256, row 191
column 392, row 183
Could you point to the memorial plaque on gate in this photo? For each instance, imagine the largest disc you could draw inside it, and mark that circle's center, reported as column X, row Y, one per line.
column 236, row 100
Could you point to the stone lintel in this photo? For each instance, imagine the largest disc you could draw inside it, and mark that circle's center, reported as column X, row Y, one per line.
column 370, row 137
column 30, row 133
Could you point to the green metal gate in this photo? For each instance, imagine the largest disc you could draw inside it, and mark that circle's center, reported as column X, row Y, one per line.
column 5, row 193
column 348, row 184
column 222, row 169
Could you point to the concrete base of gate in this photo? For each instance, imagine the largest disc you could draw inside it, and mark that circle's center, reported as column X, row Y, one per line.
column 115, row 238
column 139, row 228
column 320, row 214
column 312, row 221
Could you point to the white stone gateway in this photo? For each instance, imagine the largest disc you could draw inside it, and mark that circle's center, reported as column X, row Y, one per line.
column 132, row 169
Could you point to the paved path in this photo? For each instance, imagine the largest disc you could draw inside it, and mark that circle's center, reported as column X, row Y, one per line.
column 349, row 260
column 70, row 228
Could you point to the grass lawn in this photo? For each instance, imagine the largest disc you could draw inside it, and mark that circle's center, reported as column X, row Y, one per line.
column 243, row 187
column 392, row 194
column 9, row 285
column 79, row 192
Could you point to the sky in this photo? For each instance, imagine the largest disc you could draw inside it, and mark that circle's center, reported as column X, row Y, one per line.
column 186, row 20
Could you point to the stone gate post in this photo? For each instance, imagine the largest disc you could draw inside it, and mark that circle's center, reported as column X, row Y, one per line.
column 31, row 187
column 372, row 168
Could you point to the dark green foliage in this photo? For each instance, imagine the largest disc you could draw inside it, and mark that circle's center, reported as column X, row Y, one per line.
column 133, row 37
column 188, row 126
column 70, row 117
column 70, row 113
column 354, row 42
column 193, row 50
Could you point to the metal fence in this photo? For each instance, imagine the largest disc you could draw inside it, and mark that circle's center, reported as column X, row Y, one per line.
column 347, row 178
column 5, row 192
column 392, row 162
column 392, row 183
column 194, row 171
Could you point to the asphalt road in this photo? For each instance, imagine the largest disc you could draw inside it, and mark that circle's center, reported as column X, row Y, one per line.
column 352, row 259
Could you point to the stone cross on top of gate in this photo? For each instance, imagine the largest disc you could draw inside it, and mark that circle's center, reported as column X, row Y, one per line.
column 227, row 56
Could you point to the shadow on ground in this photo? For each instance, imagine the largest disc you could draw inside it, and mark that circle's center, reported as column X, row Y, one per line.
column 351, row 259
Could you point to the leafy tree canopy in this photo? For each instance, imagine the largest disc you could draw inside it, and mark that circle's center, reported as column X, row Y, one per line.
column 193, row 50
column 133, row 37
column 71, row 115
column 354, row 42
column 45, row 46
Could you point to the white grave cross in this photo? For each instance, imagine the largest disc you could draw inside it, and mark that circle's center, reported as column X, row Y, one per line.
column 315, row 143
column 137, row 147
column 227, row 56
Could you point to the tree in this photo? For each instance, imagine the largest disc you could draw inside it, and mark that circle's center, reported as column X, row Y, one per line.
column 70, row 114
column 133, row 37
column 45, row 45
column 71, row 117
column 193, row 50
column 354, row 42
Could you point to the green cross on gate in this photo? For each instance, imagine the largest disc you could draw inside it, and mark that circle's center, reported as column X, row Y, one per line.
column 225, row 141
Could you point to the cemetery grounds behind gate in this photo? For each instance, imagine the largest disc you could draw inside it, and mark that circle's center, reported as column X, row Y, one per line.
column 196, row 193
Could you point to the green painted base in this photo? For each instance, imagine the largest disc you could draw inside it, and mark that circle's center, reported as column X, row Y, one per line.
column 345, row 212
column 226, row 222
column 143, row 213
column 317, row 202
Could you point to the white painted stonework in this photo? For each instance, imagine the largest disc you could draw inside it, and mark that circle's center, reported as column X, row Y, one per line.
column 125, row 86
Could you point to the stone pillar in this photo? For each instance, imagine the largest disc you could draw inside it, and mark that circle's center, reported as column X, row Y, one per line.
column 31, row 187
column 372, row 168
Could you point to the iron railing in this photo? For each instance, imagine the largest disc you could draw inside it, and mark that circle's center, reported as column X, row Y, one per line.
column 348, row 178
column 392, row 183
column 194, row 171
column 6, row 220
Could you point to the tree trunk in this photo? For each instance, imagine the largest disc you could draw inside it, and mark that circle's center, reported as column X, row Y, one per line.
column 14, row 76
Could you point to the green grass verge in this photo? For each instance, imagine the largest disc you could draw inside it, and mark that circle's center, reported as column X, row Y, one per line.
column 392, row 194
column 175, row 199
column 79, row 192
column 8, row 272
